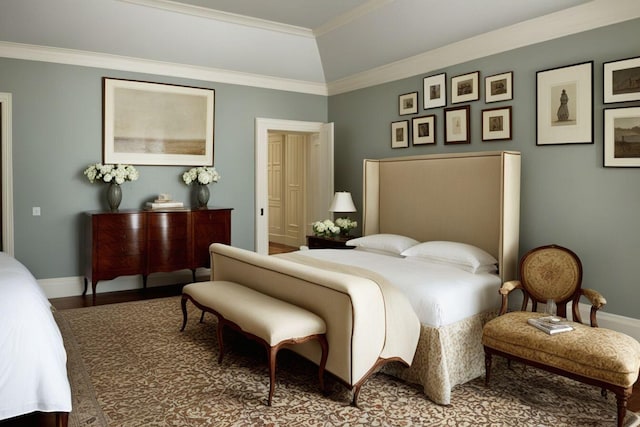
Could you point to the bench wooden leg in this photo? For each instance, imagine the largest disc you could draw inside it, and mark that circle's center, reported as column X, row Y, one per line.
column 487, row 368
column 323, row 360
column 183, row 303
column 273, row 354
column 220, row 342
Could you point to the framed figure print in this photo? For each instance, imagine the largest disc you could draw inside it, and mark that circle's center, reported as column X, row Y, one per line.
column 157, row 124
column 564, row 105
column 435, row 91
column 498, row 87
column 457, row 125
column 464, row 88
column 622, row 137
column 408, row 103
column 496, row 124
column 424, row 130
column 622, row 80
column 400, row 134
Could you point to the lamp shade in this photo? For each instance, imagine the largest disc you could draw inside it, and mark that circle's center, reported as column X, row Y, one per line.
column 342, row 202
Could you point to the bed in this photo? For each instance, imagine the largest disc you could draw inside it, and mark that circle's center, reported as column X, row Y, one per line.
column 33, row 373
column 471, row 199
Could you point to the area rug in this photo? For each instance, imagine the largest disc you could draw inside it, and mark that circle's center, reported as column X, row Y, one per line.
column 130, row 365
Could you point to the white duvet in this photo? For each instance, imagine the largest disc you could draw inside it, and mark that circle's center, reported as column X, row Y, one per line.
column 33, row 373
column 439, row 294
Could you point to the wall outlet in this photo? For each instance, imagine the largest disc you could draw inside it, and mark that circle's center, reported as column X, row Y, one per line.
column 35, row 211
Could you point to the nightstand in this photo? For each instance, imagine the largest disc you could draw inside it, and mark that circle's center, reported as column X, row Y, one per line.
column 322, row 242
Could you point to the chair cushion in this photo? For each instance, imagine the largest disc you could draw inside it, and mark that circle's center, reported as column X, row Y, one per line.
column 597, row 353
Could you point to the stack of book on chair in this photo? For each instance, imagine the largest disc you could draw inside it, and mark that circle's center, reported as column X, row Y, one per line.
column 550, row 324
column 164, row 202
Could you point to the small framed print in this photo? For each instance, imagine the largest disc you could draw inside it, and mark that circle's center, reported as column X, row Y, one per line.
column 498, row 87
column 424, row 130
column 622, row 80
column 435, row 91
column 564, row 105
column 408, row 103
column 464, row 88
column 457, row 125
column 400, row 134
column 496, row 124
column 622, row 137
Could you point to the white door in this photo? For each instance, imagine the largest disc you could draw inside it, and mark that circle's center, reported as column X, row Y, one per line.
column 319, row 174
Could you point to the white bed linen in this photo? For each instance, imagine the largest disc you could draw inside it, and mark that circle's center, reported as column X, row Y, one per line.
column 440, row 295
column 33, row 373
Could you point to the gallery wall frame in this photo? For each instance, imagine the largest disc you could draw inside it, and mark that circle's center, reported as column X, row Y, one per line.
column 146, row 123
column 465, row 87
column 622, row 137
column 564, row 105
column 424, row 130
column 498, row 87
column 400, row 134
column 457, row 125
column 621, row 80
column 408, row 103
column 435, row 91
column 497, row 124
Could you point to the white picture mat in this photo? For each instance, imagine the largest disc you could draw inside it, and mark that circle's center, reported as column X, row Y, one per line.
column 400, row 134
column 609, row 68
column 632, row 114
column 489, row 134
column 431, row 100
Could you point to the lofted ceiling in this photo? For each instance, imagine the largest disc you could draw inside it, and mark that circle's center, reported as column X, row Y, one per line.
column 317, row 43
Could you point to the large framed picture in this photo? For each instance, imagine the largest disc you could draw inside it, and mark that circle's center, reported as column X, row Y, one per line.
column 496, row 124
column 435, row 91
column 622, row 80
column 564, row 105
column 622, row 137
column 457, row 125
column 408, row 103
column 148, row 123
column 424, row 130
column 498, row 87
column 464, row 88
column 400, row 134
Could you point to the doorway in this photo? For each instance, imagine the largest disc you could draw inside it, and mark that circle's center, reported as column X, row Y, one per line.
column 6, row 173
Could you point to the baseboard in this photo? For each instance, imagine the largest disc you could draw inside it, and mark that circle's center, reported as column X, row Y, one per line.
column 73, row 286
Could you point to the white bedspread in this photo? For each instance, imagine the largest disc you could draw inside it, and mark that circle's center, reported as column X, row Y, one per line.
column 33, row 373
column 440, row 295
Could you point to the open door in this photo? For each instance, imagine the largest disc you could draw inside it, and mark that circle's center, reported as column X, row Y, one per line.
column 319, row 172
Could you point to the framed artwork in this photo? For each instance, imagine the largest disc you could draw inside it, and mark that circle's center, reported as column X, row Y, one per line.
column 464, row 88
column 435, row 91
column 622, row 137
column 408, row 103
column 564, row 105
column 496, row 124
column 498, row 87
column 400, row 134
column 457, row 125
column 157, row 124
column 622, row 80
column 424, row 130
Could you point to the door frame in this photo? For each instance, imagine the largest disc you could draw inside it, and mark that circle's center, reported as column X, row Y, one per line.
column 262, row 128
column 7, row 174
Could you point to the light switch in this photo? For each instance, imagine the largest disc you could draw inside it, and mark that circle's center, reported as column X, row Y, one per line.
column 36, row 210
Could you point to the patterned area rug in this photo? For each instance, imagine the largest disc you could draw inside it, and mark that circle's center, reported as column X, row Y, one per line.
column 129, row 365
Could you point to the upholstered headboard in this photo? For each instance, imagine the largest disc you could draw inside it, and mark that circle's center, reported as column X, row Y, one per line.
column 472, row 198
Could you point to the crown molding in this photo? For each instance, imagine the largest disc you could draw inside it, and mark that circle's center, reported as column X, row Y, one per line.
column 124, row 63
column 219, row 15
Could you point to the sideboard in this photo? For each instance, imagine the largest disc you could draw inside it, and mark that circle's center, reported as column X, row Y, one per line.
column 132, row 242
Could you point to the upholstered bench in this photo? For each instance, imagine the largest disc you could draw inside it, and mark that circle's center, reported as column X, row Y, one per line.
column 267, row 320
column 596, row 356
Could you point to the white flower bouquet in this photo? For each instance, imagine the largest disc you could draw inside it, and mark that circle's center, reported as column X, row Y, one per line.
column 111, row 173
column 201, row 175
column 325, row 228
column 346, row 224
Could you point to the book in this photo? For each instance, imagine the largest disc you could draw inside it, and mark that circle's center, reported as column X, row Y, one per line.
column 550, row 324
column 164, row 205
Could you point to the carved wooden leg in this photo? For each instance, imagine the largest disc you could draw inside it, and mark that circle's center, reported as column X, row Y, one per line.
column 184, row 312
column 220, row 342
column 356, row 393
column 202, row 317
column 323, row 360
column 273, row 353
column 621, row 401
column 487, row 368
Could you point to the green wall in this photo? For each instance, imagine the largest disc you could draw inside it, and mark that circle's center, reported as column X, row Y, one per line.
column 567, row 196
column 57, row 132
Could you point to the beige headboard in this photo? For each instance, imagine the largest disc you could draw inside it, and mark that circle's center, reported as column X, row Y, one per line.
column 472, row 198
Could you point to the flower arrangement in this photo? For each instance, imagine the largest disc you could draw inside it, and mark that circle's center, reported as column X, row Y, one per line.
column 325, row 228
column 346, row 224
column 111, row 173
column 201, row 175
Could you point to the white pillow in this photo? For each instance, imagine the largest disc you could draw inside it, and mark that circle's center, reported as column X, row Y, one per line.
column 461, row 255
column 392, row 243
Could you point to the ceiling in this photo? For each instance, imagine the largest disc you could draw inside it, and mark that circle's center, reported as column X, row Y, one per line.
column 318, row 43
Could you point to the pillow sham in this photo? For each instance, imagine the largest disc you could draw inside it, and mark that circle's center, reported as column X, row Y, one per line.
column 392, row 243
column 462, row 255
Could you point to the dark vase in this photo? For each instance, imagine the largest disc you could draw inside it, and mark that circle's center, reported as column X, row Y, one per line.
column 202, row 195
column 114, row 196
